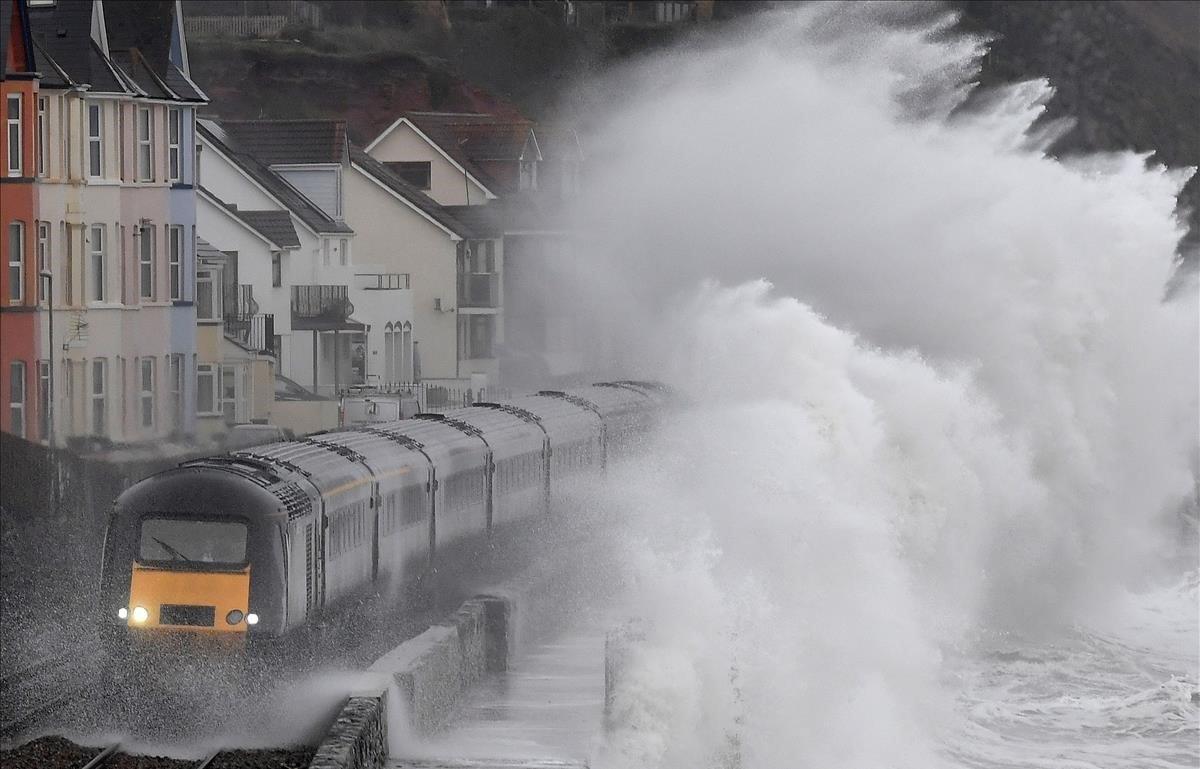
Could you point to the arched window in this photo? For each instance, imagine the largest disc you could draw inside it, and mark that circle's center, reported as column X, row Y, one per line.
column 389, row 360
column 406, row 353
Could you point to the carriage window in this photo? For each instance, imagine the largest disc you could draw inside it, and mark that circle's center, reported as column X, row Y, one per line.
column 192, row 541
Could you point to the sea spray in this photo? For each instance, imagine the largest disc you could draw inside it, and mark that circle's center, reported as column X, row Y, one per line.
column 960, row 407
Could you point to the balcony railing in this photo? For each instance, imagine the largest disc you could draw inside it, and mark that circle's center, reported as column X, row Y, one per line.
column 382, row 281
column 254, row 332
column 320, row 307
column 478, row 289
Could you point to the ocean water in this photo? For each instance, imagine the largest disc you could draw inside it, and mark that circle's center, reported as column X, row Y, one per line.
column 922, row 505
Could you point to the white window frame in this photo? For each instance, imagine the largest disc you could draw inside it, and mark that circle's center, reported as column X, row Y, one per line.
column 174, row 142
column 176, row 376
column 43, row 258
column 95, row 140
column 16, row 262
column 43, row 367
column 16, row 408
column 43, row 137
column 212, row 373
column 211, row 277
column 175, row 260
column 147, row 246
column 99, row 397
column 144, row 119
column 97, row 263
column 146, row 404
column 14, row 134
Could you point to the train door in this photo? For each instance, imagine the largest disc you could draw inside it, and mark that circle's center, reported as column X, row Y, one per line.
column 320, row 553
column 376, row 506
column 489, row 469
column 431, row 488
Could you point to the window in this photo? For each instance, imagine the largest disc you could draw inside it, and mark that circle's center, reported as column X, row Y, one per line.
column 43, row 257
column 208, row 295
column 121, row 142
column 415, row 173
column 192, row 541
column 43, row 139
column 146, row 260
column 44, row 399
column 344, row 250
column 175, row 256
column 325, row 248
column 16, row 397
column 175, row 377
column 475, row 334
column 206, row 389
column 528, row 179
column 69, row 266
column 145, row 145
column 95, row 140
column 97, row 263
column 16, row 262
column 147, row 392
column 13, row 132
column 99, row 388
column 174, row 131
column 122, row 269
column 276, row 269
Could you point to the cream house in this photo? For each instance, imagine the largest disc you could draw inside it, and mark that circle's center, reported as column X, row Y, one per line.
column 115, row 173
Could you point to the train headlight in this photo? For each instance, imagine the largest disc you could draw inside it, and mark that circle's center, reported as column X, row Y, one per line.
column 140, row 614
column 123, row 613
column 234, row 617
column 251, row 619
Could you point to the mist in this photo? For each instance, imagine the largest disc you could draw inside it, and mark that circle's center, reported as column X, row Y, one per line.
column 937, row 394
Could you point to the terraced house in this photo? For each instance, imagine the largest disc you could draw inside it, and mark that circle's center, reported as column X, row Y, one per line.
column 115, row 230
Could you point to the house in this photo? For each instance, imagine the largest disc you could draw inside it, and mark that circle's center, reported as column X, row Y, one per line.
column 499, row 178
column 114, row 171
column 455, row 308
column 272, row 199
column 22, row 391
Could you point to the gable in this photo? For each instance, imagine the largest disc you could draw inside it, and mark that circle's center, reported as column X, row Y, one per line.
column 449, row 183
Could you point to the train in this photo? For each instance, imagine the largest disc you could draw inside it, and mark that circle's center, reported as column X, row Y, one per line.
column 261, row 542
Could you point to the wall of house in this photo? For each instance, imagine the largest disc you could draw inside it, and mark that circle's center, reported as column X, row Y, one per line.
column 447, row 184
column 18, row 320
column 411, row 244
column 223, row 179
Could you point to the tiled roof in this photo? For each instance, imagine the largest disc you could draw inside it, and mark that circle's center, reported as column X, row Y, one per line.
column 290, row 141
column 275, row 226
column 139, row 38
column 485, row 221
column 305, row 210
column 392, row 181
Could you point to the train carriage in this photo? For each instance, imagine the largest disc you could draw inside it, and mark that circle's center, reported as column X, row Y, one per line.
column 259, row 542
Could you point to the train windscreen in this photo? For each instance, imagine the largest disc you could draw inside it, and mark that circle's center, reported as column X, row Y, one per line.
column 193, row 541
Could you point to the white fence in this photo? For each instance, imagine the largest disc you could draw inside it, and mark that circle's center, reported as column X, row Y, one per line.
column 234, row 26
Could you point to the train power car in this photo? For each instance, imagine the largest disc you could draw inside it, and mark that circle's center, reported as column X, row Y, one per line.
column 257, row 543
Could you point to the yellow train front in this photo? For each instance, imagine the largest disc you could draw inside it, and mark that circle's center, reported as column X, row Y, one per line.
column 197, row 553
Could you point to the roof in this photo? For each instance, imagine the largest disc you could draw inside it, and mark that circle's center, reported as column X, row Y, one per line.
column 416, row 197
column 206, row 251
column 558, row 142
column 275, row 226
column 471, row 138
column 312, row 216
column 280, row 142
column 486, row 221
column 8, row 10
column 139, row 49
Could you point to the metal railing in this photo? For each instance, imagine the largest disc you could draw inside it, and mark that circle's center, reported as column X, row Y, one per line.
column 254, row 332
column 432, row 396
column 382, row 281
column 321, row 302
column 478, row 289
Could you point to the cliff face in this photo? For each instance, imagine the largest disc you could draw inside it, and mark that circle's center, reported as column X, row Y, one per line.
column 1127, row 72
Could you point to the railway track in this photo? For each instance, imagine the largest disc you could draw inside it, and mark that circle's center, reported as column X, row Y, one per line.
column 110, row 754
column 36, row 691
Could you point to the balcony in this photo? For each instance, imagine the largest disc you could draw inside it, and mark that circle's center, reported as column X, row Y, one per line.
column 253, row 332
column 382, row 281
column 321, row 308
column 479, row 289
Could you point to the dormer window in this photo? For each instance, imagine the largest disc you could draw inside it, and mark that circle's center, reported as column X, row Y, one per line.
column 528, row 175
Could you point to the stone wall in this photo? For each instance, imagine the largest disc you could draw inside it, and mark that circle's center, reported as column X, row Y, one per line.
column 358, row 737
